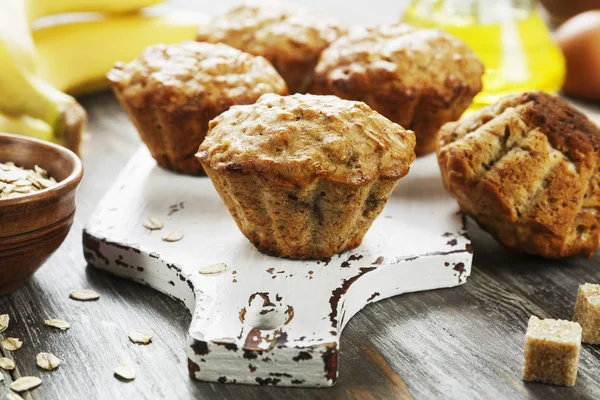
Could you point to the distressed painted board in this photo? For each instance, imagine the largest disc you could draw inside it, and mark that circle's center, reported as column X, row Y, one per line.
column 266, row 320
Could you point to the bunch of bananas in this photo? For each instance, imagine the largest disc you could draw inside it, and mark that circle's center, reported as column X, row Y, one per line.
column 42, row 68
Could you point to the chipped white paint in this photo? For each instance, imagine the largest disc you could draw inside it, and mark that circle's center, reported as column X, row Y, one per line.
column 267, row 320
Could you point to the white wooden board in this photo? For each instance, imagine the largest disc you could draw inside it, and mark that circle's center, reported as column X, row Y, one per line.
column 266, row 320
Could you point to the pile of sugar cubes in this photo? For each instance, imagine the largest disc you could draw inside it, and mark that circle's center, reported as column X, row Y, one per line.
column 552, row 346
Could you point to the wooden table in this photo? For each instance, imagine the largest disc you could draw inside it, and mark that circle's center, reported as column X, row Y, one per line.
column 465, row 342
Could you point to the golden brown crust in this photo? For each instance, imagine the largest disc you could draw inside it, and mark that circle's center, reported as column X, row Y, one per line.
column 418, row 78
column 297, row 139
column 526, row 168
column 171, row 92
column 287, row 35
column 305, row 176
column 314, row 221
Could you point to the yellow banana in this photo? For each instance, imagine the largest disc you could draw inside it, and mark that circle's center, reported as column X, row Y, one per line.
column 22, row 91
column 75, row 58
column 70, row 57
column 26, row 125
column 40, row 8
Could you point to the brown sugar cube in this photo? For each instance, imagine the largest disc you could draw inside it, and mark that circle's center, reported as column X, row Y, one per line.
column 552, row 351
column 587, row 312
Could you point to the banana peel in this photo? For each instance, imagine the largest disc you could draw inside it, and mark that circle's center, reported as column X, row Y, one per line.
column 41, row 8
column 75, row 57
column 26, row 125
column 23, row 92
column 70, row 57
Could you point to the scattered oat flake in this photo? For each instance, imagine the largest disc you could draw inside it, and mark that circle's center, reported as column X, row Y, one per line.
column 4, row 320
column 25, row 383
column 1, row 377
column 7, row 364
column 12, row 344
column 13, row 396
column 125, row 370
column 173, row 236
column 47, row 361
column 142, row 336
column 213, row 269
column 153, row 224
column 84, row 295
column 58, row 323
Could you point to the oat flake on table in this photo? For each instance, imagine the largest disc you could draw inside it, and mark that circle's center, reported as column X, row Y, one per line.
column 7, row 364
column 58, row 323
column 173, row 236
column 84, row 295
column 153, row 224
column 13, row 396
column 141, row 336
column 4, row 320
column 47, row 361
column 25, row 383
column 213, row 268
column 125, row 370
column 12, row 344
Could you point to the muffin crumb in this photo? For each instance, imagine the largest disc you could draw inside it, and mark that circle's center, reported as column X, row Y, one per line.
column 526, row 169
column 288, row 35
column 171, row 92
column 418, row 78
column 305, row 176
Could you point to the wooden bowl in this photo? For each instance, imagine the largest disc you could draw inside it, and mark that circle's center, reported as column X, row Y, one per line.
column 33, row 226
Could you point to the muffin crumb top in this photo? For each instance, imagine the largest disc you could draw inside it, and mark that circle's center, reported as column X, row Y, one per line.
column 273, row 29
column 402, row 57
column 296, row 139
column 196, row 72
column 568, row 130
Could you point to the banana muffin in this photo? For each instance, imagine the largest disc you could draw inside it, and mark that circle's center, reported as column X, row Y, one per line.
column 526, row 169
column 171, row 92
column 289, row 36
column 304, row 176
column 418, row 78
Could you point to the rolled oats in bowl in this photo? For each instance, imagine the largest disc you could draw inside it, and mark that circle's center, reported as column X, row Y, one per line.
column 17, row 181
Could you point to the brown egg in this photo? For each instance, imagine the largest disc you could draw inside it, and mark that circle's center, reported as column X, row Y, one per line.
column 560, row 10
column 579, row 39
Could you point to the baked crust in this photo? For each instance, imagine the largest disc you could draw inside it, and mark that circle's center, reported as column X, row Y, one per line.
column 418, row 78
column 526, row 169
column 305, row 176
column 297, row 139
column 289, row 36
column 171, row 92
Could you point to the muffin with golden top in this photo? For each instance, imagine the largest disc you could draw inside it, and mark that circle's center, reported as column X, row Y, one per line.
column 171, row 92
column 418, row 78
column 289, row 36
column 526, row 169
column 305, row 176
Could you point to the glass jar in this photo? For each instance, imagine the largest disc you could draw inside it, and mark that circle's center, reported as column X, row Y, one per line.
column 510, row 37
